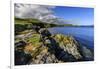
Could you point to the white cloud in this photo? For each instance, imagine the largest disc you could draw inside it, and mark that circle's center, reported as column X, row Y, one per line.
column 41, row 12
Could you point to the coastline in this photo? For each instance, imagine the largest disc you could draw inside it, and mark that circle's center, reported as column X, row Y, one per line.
column 50, row 48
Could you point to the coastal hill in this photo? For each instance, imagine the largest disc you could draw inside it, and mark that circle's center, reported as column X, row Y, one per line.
column 39, row 23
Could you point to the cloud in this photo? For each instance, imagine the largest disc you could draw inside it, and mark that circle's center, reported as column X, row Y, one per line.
column 41, row 12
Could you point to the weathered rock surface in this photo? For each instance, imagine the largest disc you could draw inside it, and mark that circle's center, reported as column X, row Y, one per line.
column 68, row 44
column 54, row 49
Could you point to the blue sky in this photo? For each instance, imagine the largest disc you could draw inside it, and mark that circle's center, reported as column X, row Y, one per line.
column 75, row 15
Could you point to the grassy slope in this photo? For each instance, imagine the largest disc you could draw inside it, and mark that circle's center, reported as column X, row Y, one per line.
column 37, row 23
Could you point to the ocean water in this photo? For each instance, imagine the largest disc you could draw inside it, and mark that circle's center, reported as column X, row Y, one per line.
column 85, row 35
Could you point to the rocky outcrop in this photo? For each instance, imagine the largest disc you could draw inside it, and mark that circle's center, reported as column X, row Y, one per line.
column 53, row 49
column 75, row 48
column 40, row 54
column 68, row 44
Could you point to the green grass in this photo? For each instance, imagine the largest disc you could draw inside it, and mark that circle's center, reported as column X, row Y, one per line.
column 26, row 21
column 33, row 22
column 36, row 22
column 17, row 40
column 34, row 39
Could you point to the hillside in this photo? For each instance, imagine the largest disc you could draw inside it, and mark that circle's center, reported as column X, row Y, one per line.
column 39, row 23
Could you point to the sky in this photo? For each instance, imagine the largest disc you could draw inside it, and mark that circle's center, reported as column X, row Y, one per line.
column 75, row 15
column 46, row 13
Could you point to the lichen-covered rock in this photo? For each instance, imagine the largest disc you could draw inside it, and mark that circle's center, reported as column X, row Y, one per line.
column 42, row 55
column 68, row 44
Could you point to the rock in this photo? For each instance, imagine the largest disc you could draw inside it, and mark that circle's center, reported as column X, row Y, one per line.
column 52, row 49
column 44, row 58
column 36, row 28
column 21, row 58
column 88, row 55
column 44, row 32
column 67, row 43
column 20, row 45
column 47, row 41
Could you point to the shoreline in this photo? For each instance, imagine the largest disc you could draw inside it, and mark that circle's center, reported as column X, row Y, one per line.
column 59, row 48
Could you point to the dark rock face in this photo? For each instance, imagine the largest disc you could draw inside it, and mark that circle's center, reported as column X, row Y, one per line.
column 44, row 33
column 20, row 43
column 22, row 58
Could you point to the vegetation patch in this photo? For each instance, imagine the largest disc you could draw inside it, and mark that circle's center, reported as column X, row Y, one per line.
column 34, row 39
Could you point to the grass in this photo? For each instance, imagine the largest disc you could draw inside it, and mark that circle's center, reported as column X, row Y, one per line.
column 26, row 21
column 35, row 22
column 25, row 32
column 17, row 39
column 34, row 39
